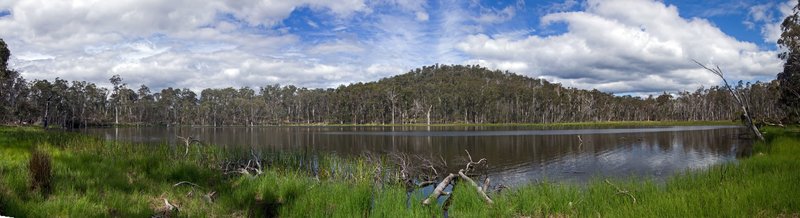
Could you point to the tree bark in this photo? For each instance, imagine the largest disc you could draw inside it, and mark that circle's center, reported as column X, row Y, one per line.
column 477, row 188
column 429, row 114
column 439, row 190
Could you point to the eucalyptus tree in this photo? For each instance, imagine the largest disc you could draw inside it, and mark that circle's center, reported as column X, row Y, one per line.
column 789, row 42
column 12, row 85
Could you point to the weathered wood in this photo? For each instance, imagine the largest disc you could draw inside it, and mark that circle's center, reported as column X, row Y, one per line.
column 471, row 164
column 439, row 190
column 185, row 183
column 485, row 186
column 209, row 197
column 168, row 210
column 188, row 141
column 477, row 188
column 745, row 110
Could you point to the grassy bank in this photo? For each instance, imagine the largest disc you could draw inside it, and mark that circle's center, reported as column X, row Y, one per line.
column 96, row 178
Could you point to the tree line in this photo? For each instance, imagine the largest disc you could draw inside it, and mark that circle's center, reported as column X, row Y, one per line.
column 431, row 94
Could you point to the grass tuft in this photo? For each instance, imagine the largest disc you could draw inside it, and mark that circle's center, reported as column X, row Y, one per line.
column 40, row 171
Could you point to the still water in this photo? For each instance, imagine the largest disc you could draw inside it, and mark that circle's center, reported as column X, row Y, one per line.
column 516, row 155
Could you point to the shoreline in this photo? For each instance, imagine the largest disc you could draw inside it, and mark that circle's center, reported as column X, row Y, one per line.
column 534, row 125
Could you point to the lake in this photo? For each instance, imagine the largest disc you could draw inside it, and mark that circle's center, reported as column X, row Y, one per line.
column 516, row 155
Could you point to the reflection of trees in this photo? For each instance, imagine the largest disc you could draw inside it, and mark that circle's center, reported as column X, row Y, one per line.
column 526, row 153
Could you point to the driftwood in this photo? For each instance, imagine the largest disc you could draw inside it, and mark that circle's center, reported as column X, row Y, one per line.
column 477, row 188
column 168, row 210
column 439, row 190
column 257, row 161
column 186, row 183
column 470, row 166
column 485, row 186
column 250, row 167
column 188, row 141
column 209, row 197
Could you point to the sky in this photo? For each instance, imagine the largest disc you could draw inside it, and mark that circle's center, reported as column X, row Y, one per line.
column 634, row 47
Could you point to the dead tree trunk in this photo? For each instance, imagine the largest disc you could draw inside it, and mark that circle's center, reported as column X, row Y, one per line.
column 429, row 114
column 439, row 190
column 477, row 188
column 746, row 112
column 463, row 175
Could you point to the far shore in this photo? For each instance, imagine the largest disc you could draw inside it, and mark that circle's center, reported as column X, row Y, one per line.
column 532, row 125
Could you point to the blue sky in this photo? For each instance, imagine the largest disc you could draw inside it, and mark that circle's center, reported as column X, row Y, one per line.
column 621, row 46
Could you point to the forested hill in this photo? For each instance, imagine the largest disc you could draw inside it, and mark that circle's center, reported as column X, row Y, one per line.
column 435, row 94
column 473, row 94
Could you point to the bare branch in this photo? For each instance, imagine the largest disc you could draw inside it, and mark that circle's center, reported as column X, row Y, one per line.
column 186, row 183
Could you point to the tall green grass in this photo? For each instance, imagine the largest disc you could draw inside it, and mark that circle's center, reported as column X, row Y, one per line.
column 97, row 178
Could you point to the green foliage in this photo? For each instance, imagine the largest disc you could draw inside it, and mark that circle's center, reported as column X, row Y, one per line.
column 790, row 77
column 4, row 55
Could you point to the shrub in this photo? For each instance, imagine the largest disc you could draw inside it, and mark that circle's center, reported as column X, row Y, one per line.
column 40, row 170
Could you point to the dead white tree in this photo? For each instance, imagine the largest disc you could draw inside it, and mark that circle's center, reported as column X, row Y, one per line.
column 746, row 112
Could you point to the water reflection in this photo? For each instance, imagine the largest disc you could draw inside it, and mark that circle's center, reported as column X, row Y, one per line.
column 516, row 155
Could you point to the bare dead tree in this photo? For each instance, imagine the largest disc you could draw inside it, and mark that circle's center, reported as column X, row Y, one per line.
column 738, row 98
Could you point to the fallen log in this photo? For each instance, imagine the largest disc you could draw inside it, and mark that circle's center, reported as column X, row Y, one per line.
column 439, row 190
column 477, row 188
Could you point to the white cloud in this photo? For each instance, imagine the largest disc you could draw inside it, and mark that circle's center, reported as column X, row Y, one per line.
column 422, row 16
column 184, row 43
column 490, row 16
column 178, row 43
column 770, row 16
column 610, row 47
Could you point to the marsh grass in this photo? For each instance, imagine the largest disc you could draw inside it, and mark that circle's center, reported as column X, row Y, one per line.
column 40, row 171
column 96, row 178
